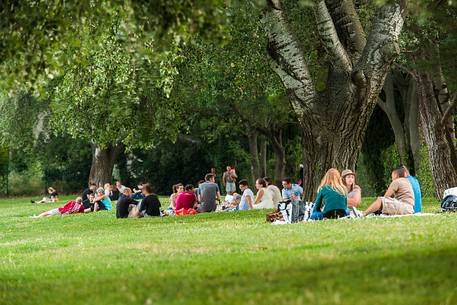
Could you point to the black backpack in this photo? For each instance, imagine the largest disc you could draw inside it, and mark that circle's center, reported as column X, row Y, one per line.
column 449, row 204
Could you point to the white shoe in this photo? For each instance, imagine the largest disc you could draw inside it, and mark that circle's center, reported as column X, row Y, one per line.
column 357, row 213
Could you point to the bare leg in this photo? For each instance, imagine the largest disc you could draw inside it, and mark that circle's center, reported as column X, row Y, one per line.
column 45, row 214
column 375, row 206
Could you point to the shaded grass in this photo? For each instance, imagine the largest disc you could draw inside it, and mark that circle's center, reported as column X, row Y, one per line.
column 224, row 258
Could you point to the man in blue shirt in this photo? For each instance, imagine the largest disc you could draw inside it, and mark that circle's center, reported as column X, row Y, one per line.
column 291, row 191
column 416, row 190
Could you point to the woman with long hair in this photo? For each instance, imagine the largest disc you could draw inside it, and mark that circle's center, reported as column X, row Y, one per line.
column 263, row 199
column 354, row 191
column 331, row 201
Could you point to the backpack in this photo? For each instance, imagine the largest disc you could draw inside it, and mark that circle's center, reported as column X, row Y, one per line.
column 449, row 204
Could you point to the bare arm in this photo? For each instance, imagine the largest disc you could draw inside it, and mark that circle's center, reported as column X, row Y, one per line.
column 259, row 196
column 354, row 201
column 249, row 201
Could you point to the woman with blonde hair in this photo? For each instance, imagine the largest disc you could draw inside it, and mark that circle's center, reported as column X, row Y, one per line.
column 331, row 201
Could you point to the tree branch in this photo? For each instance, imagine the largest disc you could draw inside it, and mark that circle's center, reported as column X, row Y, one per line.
column 287, row 59
column 348, row 26
column 449, row 109
column 382, row 46
column 329, row 37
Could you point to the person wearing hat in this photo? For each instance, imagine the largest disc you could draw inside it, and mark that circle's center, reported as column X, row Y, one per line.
column 354, row 195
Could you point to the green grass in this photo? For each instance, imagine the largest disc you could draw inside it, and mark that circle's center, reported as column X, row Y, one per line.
column 224, row 258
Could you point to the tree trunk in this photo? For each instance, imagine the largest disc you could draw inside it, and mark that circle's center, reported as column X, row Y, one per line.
column 263, row 157
column 441, row 150
column 334, row 121
column 399, row 88
column 280, row 157
column 103, row 159
column 254, row 151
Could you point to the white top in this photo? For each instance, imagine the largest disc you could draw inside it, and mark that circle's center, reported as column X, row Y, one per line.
column 266, row 202
column 275, row 194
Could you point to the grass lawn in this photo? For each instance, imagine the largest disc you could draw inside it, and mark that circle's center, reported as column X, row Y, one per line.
column 224, row 258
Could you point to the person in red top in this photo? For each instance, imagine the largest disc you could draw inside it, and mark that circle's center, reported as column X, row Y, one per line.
column 186, row 200
column 71, row 207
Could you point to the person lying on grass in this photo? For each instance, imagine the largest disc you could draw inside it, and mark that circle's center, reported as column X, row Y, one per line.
column 331, row 201
column 71, row 207
column 52, row 197
column 398, row 199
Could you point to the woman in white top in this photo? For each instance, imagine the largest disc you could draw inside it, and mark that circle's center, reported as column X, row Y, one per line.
column 263, row 199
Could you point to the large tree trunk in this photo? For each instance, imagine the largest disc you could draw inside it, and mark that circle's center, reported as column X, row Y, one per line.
column 103, row 159
column 263, row 157
column 400, row 88
column 441, row 149
column 334, row 121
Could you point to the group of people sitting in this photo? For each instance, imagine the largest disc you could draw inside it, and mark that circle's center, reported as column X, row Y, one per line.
column 337, row 196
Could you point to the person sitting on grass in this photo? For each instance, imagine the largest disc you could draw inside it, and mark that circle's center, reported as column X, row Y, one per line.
column 233, row 204
column 52, row 197
column 263, row 199
column 186, row 200
column 398, row 199
column 247, row 197
column 331, row 201
column 354, row 191
column 102, row 202
column 208, row 194
column 416, row 190
column 123, row 204
column 177, row 189
column 137, row 193
column 149, row 206
column 274, row 191
column 290, row 190
column 71, row 207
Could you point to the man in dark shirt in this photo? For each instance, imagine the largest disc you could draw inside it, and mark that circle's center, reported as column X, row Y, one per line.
column 86, row 193
column 122, row 205
column 150, row 205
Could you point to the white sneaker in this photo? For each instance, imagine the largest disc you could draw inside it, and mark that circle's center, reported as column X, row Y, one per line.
column 357, row 213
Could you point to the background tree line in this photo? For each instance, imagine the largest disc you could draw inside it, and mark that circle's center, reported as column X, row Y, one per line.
column 165, row 90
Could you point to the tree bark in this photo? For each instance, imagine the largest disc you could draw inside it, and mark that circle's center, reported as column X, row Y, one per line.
column 263, row 157
column 334, row 121
column 441, row 150
column 254, row 151
column 103, row 160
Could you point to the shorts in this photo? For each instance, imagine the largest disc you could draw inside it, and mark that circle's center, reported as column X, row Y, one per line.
column 230, row 187
column 55, row 212
column 392, row 206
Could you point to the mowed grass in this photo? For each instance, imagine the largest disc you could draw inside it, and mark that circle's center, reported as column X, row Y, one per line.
column 224, row 258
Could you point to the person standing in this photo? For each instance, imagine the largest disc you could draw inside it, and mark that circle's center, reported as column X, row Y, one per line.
column 229, row 179
column 208, row 194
